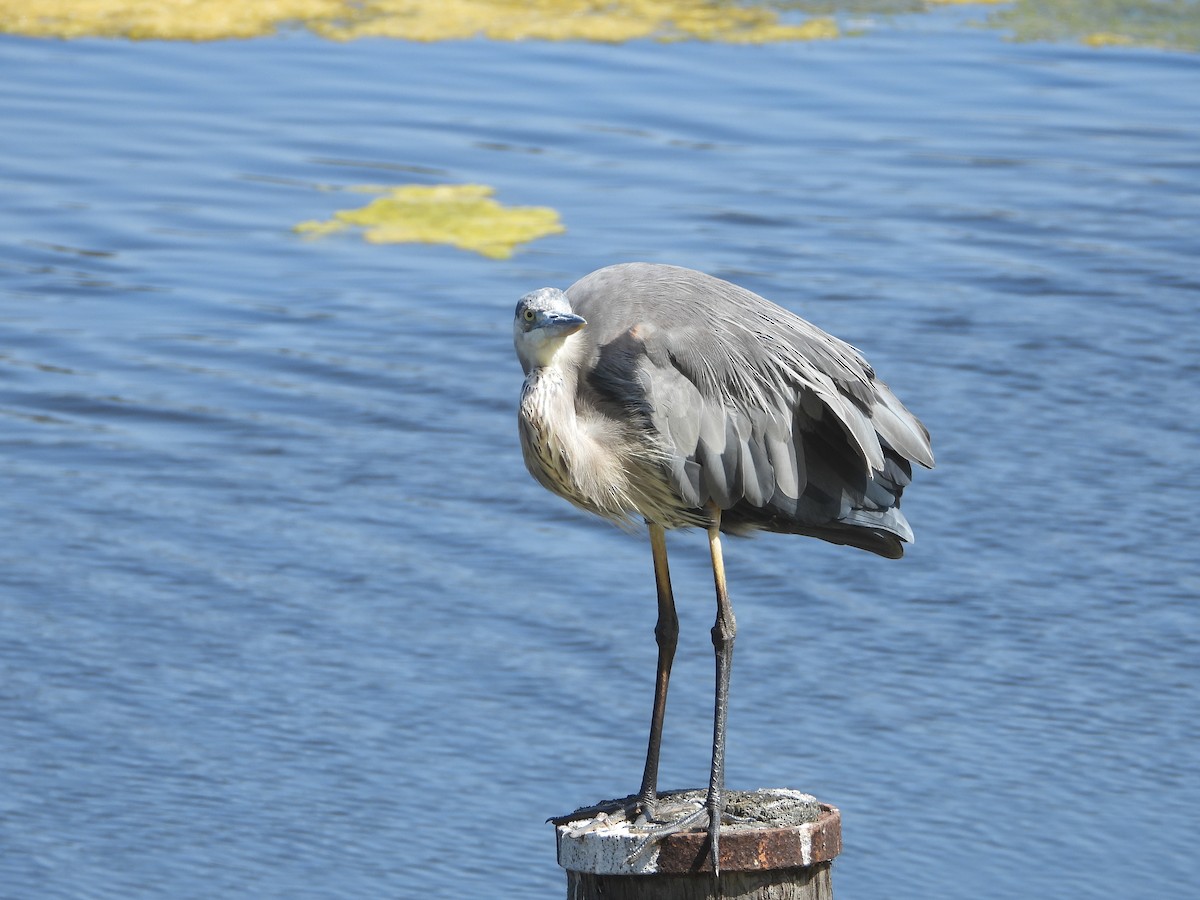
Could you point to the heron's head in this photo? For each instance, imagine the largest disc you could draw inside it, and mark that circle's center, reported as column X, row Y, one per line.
column 542, row 325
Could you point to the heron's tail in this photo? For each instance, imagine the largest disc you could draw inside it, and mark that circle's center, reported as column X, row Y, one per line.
column 839, row 503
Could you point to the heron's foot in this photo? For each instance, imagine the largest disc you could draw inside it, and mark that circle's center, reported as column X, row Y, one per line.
column 688, row 816
column 697, row 818
column 656, row 818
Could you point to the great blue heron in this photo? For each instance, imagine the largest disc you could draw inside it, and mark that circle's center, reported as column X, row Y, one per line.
column 665, row 394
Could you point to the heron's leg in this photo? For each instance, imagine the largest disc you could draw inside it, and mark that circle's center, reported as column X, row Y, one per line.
column 723, row 633
column 666, row 633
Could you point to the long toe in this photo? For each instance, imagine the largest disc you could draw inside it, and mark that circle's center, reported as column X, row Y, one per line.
column 697, row 818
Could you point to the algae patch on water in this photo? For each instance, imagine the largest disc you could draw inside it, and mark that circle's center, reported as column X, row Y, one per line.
column 609, row 21
column 462, row 215
column 1171, row 24
column 166, row 20
column 416, row 20
column 1168, row 24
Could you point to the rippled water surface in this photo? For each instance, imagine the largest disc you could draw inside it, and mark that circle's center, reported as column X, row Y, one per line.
column 281, row 614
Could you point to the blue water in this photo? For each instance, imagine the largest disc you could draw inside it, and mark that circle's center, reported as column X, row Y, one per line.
column 282, row 615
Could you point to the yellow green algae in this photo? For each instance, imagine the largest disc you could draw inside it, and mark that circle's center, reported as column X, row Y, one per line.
column 611, row 21
column 462, row 215
column 1167, row 24
column 185, row 20
column 417, row 20
column 1172, row 24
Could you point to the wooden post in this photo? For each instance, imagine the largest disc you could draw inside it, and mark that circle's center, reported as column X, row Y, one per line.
column 780, row 847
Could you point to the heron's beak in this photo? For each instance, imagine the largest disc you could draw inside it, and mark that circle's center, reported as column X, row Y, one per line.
column 560, row 325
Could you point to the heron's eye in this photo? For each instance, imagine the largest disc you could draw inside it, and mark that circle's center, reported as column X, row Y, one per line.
column 529, row 315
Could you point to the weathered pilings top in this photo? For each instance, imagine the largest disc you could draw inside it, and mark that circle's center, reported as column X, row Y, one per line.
column 767, row 830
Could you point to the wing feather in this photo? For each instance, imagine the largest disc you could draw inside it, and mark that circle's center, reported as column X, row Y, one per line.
column 752, row 407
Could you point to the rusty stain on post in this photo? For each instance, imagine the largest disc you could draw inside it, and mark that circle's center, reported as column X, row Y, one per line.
column 751, row 849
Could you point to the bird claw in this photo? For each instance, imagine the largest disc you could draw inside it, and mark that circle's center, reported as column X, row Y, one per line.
column 697, row 818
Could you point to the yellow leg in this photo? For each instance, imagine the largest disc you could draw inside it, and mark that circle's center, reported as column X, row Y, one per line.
column 724, row 631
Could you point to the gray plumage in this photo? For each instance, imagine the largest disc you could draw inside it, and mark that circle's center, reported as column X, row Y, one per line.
column 666, row 394
column 686, row 389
